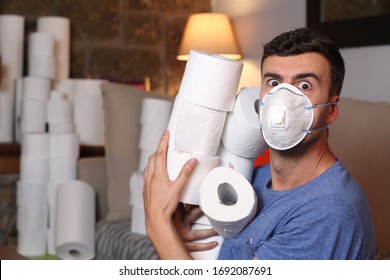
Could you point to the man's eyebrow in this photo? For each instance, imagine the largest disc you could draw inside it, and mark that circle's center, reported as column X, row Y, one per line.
column 272, row 75
column 307, row 75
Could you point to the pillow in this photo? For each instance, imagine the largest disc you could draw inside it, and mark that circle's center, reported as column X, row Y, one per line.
column 122, row 109
column 360, row 138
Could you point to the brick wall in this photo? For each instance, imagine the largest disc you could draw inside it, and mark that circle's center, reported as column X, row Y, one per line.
column 121, row 40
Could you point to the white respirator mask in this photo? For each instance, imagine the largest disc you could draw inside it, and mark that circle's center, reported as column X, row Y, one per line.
column 286, row 115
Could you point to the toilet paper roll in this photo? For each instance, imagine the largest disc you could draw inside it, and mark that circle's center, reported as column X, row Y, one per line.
column 176, row 161
column 32, row 126
column 41, row 66
column 32, row 218
column 31, row 243
column 138, row 220
column 59, row 27
column 59, row 111
column 242, row 165
column 57, row 95
column 75, row 221
column 31, row 194
column 66, row 86
column 36, row 88
column 88, row 111
column 209, row 254
column 34, row 169
column 61, row 170
column 151, row 134
column 11, row 52
column 34, row 111
column 241, row 134
column 198, row 129
column 210, row 80
column 228, row 200
column 51, row 230
column 61, row 128
column 155, row 110
column 136, row 189
column 35, row 145
column 18, row 108
column 40, row 43
column 64, row 146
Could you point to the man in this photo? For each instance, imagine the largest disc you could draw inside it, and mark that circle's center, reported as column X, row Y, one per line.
column 310, row 207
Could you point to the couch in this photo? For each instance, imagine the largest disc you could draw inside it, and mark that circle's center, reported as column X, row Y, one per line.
column 359, row 137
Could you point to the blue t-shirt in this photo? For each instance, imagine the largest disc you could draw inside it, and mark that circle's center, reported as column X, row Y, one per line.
column 326, row 218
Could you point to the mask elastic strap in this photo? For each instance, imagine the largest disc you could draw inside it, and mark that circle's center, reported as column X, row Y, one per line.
column 309, row 131
column 319, row 105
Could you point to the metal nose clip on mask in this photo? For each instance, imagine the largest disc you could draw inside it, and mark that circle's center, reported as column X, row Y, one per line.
column 286, row 115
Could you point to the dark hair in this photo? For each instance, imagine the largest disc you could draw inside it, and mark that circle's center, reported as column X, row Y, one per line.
column 303, row 40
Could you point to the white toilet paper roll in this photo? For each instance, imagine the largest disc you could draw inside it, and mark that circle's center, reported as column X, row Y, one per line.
column 176, row 161
column 51, row 230
column 35, row 145
column 64, row 146
column 144, row 158
column 228, row 200
column 75, row 221
column 57, row 95
column 41, row 66
column 136, row 189
column 88, row 111
column 59, row 27
column 59, row 111
column 32, row 218
column 40, row 43
column 11, row 52
column 66, row 86
column 31, row 243
column 62, row 169
column 242, row 165
column 31, row 194
column 151, row 134
column 34, row 169
column 241, row 134
column 155, row 110
column 34, row 111
column 198, row 129
column 18, row 108
column 36, row 88
column 209, row 254
column 61, row 128
column 210, row 80
column 32, row 126
column 138, row 220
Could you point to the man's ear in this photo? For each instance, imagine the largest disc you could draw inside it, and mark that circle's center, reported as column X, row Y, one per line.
column 333, row 109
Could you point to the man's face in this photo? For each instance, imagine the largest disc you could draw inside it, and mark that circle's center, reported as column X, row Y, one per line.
column 309, row 72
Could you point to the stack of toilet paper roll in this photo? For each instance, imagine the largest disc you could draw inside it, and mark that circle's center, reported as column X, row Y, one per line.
column 60, row 113
column 11, row 52
column 32, row 194
column 59, row 28
column 64, row 152
column 242, row 140
column 206, row 94
column 35, row 94
column 41, row 60
column 155, row 114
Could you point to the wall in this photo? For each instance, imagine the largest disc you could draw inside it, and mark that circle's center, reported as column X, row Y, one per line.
column 258, row 21
column 120, row 40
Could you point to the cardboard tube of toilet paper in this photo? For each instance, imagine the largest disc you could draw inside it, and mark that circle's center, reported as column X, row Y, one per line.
column 197, row 129
column 59, row 27
column 75, row 221
column 176, row 161
column 210, row 80
column 242, row 165
column 228, row 200
column 241, row 134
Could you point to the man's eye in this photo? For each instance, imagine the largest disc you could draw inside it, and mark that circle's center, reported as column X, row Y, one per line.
column 304, row 85
column 273, row 83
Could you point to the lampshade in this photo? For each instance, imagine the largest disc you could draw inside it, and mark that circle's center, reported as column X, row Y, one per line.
column 209, row 32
